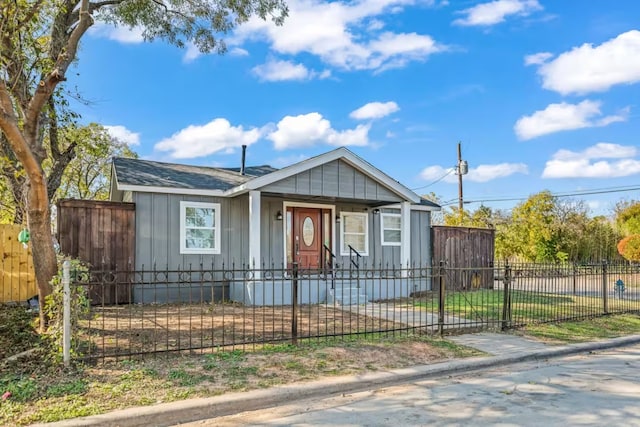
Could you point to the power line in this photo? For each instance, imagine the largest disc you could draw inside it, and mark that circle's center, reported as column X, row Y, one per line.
column 449, row 172
column 608, row 190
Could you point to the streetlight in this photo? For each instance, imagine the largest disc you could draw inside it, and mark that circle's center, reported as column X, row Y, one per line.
column 462, row 168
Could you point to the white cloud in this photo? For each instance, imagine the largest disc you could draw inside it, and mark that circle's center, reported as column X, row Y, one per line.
column 495, row 12
column 237, row 51
column 374, row 110
column 589, row 163
column 285, row 161
column 123, row 134
column 537, row 58
column 277, row 70
column 564, row 116
column 342, row 34
column 197, row 141
column 587, row 68
column 119, row 34
column 482, row 173
column 309, row 129
column 602, row 150
column 192, row 53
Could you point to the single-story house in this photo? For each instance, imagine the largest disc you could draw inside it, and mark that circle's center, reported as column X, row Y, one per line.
column 329, row 209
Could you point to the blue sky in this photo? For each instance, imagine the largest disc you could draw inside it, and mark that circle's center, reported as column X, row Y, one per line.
column 542, row 94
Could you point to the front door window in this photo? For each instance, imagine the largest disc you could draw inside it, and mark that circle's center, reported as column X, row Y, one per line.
column 308, row 230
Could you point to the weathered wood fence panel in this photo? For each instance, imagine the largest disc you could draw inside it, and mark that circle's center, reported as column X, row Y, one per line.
column 17, row 277
column 103, row 235
column 468, row 254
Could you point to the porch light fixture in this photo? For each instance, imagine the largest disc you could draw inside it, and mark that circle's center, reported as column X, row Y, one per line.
column 279, row 216
column 376, row 211
column 337, row 219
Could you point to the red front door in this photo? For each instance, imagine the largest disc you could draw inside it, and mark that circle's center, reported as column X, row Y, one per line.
column 307, row 237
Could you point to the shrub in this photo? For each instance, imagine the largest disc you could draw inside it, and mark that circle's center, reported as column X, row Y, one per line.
column 629, row 247
column 17, row 330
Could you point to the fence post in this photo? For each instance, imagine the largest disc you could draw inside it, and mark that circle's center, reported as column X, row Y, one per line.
column 66, row 312
column 441, row 298
column 605, row 296
column 506, row 303
column 575, row 276
column 294, row 305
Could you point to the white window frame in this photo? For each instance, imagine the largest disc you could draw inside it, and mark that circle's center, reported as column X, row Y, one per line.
column 382, row 229
column 217, row 229
column 344, row 251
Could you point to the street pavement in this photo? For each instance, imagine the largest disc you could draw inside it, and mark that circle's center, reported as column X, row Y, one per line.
column 597, row 389
column 518, row 382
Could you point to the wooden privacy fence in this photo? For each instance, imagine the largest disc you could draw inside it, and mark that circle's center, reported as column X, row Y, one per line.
column 17, row 277
column 467, row 253
column 101, row 234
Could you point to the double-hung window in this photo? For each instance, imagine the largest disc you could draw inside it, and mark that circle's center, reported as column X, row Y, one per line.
column 391, row 229
column 199, row 228
column 354, row 231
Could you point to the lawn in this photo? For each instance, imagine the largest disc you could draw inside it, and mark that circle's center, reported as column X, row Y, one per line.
column 526, row 307
column 585, row 330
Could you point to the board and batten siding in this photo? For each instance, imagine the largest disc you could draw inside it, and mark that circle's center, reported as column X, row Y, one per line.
column 158, row 232
column 334, row 179
column 383, row 256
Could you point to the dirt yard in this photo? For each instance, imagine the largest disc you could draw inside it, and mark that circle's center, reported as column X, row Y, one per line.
column 136, row 329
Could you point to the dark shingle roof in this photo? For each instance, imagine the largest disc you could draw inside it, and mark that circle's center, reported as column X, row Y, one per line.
column 171, row 175
column 427, row 202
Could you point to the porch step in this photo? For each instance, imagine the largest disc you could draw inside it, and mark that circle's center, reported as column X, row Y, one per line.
column 348, row 296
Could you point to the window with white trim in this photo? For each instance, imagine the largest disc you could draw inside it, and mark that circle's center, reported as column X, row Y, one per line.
column 391, row 225
column 354, row 231
column 199, row 228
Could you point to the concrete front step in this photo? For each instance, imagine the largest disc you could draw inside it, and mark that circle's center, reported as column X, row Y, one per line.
column 348, row 296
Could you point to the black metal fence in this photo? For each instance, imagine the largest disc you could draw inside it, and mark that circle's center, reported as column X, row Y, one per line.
column 200, row 309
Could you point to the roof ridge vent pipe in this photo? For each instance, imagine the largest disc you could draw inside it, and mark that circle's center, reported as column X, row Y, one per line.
column 244, row 156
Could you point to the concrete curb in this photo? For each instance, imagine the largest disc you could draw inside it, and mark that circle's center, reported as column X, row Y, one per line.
column 167, row 414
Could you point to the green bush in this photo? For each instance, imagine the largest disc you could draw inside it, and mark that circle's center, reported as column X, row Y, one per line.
column 17, row 330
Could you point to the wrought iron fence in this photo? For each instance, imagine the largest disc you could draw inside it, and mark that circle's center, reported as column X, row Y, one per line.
column 238, row 307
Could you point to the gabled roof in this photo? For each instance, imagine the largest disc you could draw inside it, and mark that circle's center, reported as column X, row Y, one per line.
column 143, row 175
column 151, row 176
column 339, row 153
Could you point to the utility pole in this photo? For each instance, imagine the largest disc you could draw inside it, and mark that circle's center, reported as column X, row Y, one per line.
column 461, row 169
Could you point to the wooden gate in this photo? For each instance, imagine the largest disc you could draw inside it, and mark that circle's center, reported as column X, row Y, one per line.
column 467, row 254
column 17, row 277
column 103, row 235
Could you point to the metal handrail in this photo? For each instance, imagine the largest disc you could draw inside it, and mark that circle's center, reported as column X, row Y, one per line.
column 329, row 269
column 352, row 251
column 328, row 261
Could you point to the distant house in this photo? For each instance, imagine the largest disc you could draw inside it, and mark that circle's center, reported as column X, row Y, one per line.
column 329, row 208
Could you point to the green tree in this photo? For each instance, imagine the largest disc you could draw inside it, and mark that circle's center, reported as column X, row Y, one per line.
column 628, row 217
column 87, row 175
column 532, row 228
column 39, row 40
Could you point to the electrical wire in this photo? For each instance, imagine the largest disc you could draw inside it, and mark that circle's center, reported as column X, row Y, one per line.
column 608, row 190
column 452, row 170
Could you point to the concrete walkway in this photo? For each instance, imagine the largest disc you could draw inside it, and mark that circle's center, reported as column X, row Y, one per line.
column 499, row 344
column 509, row 349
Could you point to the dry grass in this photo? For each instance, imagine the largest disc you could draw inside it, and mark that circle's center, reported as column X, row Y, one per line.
column 118, row 385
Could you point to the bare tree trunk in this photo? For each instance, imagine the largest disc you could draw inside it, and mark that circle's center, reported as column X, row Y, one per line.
column 39, row 220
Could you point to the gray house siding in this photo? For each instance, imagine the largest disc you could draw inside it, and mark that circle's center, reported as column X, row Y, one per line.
column 271, row 229
column 158, row 231
column 383, row 256
column 334, row 179
column 420, row 238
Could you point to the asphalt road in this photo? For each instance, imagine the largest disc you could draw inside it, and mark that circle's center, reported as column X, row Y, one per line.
column 599, row 389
